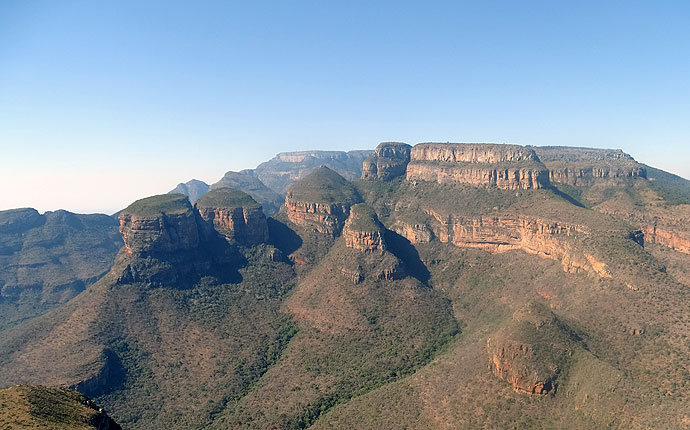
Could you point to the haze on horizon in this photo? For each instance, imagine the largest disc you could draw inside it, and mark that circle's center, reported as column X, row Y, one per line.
column 104, row 103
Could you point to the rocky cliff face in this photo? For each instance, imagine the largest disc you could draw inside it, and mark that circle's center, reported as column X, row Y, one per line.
column 321, row 201
column 504, row 166
column 159, row 224
column 388, row 161
column 500, row 233
column 672, row 238
column 234, row 215
column 362, row 230
column 587, row 166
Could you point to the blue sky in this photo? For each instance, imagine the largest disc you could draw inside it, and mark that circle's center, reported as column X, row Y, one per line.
column 102, row 103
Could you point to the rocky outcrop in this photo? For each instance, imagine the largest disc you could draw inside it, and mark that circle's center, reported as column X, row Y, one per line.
column 672, row 238
column 531, row 350
column 510, row 167
column 362, row 230
column 587, row 166
column 321, row 201
column 388, row 161
column 159, row 224
column 235, row 215
column 500, row 233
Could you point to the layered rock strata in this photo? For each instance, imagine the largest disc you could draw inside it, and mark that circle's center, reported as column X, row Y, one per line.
column 321, row 201
column 587, row 166
column 500, row 233
column 510, row 167
column 362, row 230
column 235, row 215
column 165, row 223
column 388, row 161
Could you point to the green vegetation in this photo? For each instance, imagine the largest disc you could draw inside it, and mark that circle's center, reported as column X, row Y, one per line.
column 169, row 204
column 674, row 189
column 363, row 218
column 324, row 186
column 227, row 198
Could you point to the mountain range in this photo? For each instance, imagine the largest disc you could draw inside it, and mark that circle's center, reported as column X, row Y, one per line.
column 434, row 286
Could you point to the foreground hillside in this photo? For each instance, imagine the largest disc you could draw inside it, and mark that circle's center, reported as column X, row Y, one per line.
column 454, row 286
column 50, row 408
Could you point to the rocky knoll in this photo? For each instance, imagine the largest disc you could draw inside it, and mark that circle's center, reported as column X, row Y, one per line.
column 501, row 232
column 504, row 166
column 321, row 201
column 235, row 215
column 159, row 224
column 388, row 161
column 531, row 350
column 270, row 200
column 362, row 230
column 586, row 166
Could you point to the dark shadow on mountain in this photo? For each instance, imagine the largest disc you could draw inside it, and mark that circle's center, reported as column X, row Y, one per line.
column 570, row 199
column 112, row 377
column 283, row 237
column 407, row 253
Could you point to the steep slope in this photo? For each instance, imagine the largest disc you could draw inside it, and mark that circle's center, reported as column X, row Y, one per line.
column 193, row 189
column 269, row 199
column 50, row 408
column 289, row 167
column 184, row 321
column 351, row 336
column 235, row 215
column 47, row 259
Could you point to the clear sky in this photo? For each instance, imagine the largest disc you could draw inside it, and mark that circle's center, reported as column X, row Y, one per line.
column 104, row 102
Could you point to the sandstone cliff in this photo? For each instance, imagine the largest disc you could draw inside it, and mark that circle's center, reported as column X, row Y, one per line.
column 388, row 161
column 504, row 166
column 587, row 166
column 159, row 224
column 362, row 230
column 501, row 232
column 234, row 215
column 321, row 201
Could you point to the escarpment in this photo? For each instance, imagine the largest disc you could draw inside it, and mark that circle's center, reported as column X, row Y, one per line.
column 362, row 230
column 510, row 167
column 388, row 161
column 500, row 232
column 235, row 215
column 531, row 350
column 321, row 201
column 587, row 166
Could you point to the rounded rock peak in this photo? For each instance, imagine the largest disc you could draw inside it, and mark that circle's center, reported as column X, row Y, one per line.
column 323, row 186
column 393, row 150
